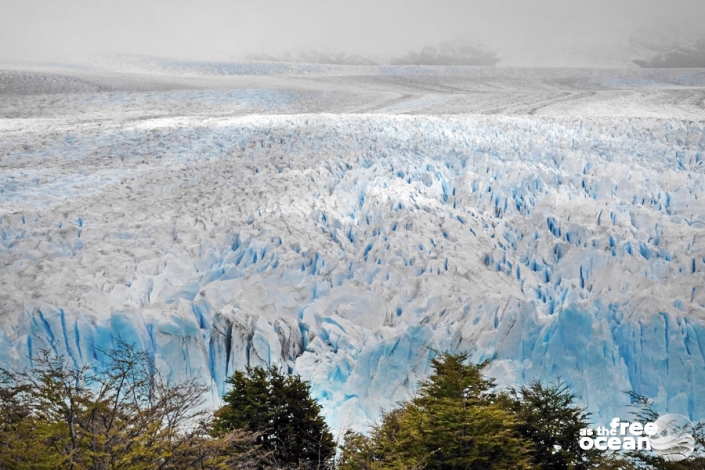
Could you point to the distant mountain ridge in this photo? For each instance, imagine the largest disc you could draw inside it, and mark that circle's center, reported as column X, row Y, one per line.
column 447, row 53
column 450, row 53
column 669, row 47
column 313, row 57
column 680, row 57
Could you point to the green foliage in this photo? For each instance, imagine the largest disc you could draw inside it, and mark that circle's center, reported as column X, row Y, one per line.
column 549, row 417
column 280, row 409
column 455, row 422
column 359, row 452
column 125, row 417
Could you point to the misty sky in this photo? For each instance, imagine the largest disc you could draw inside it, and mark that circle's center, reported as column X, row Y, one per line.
column 523, row 32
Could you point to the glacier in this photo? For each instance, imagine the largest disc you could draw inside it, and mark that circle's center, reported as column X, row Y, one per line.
column 352, row 247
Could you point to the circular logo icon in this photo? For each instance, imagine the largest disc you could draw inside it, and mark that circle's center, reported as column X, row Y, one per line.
column 673, row 441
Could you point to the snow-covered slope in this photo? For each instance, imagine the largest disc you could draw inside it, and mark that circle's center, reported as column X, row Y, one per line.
column 351, row 247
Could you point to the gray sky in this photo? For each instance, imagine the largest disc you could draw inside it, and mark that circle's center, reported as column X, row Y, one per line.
column 524, row 32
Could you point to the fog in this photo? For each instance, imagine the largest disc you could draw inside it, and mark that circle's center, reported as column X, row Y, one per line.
column 522, row 32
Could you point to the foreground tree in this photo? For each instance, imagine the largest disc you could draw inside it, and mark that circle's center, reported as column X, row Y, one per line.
column 125, row 416
column 549, row 417
column 455, row 422
column 360, row 452
column 280, row 409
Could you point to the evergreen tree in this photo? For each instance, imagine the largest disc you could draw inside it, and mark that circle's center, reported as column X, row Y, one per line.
column 359, row 452
column 280, row 409
column 549, row 417
column 455, row 422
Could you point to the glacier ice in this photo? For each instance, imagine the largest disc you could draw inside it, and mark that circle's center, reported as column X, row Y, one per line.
column 353, row 248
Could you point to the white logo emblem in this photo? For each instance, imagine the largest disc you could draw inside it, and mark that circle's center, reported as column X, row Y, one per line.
column 673, row 441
